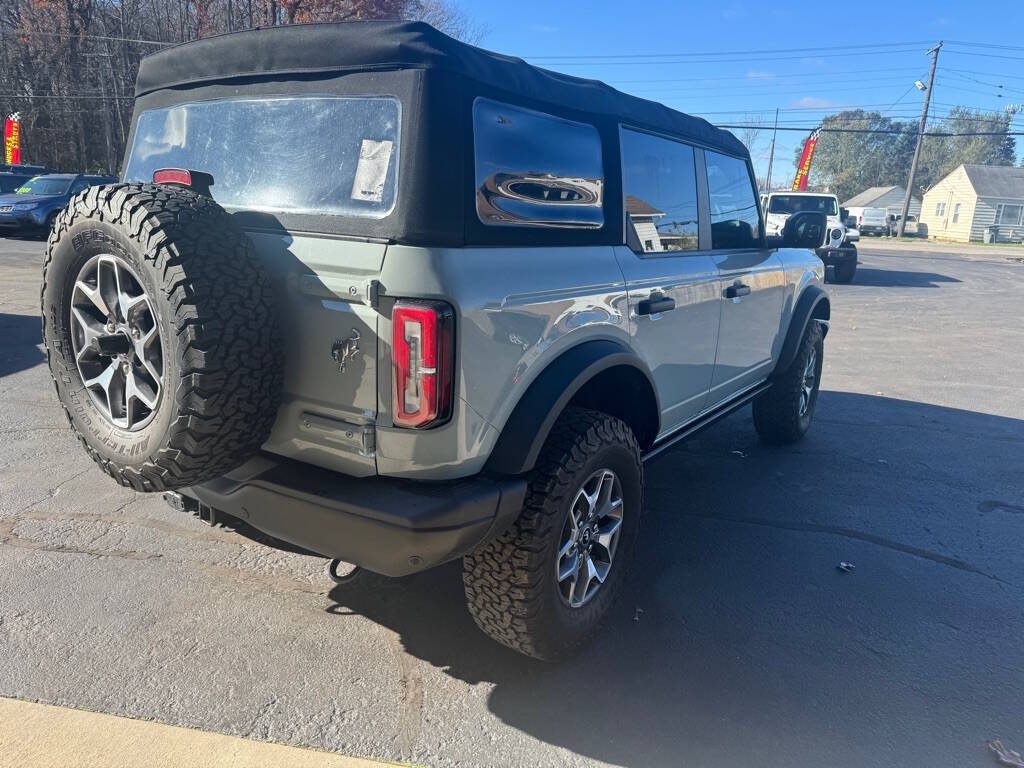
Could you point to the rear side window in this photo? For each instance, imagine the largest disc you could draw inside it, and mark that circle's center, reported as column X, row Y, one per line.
column 293, row 155
column 735, row 221
column 536, row 170
column 660, row 182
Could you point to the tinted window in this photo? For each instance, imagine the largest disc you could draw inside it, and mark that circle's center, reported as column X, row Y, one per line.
column 735, row 219
column 661, row 191
column 796, row 203
column 535, row 169
column 296, row 155
column 79, row 185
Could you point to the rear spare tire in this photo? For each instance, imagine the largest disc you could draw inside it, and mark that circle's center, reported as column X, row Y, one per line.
column 161, row 334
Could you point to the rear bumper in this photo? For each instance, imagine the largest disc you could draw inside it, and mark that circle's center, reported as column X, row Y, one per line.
column 833, row 256
column 868, row 229
column 388, row 525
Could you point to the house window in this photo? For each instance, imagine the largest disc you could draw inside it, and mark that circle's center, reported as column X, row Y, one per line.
column 1009, row 215
column 956, row 213
column 940, row 209
column 660, row 181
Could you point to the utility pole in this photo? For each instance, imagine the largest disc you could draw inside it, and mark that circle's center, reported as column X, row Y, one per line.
column 920, row 137
column 771, row 153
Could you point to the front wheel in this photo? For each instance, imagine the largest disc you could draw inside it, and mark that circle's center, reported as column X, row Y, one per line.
column 845, row 271
column 545, row 585
column 783, row 414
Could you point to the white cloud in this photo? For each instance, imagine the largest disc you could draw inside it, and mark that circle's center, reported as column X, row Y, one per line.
column 813, row 101
column 757, row 75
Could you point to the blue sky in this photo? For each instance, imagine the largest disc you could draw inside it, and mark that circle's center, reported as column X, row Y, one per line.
column 744, row 86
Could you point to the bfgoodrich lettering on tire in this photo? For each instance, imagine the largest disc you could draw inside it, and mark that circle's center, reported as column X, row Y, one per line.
column 161, row 334
column 545, row 585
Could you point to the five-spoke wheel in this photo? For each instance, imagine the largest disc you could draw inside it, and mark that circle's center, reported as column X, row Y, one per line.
column 116, row 341
column 589, row 538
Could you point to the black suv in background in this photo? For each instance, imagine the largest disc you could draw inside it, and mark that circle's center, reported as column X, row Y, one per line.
column 32, row 206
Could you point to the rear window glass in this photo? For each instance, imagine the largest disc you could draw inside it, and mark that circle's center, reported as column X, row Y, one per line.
column 292, row 155
column 535, row 169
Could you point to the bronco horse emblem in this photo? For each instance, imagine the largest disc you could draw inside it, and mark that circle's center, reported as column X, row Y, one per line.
column 345, row 350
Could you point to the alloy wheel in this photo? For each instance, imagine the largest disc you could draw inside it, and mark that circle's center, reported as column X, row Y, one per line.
column 590, row 537
column 116, row 341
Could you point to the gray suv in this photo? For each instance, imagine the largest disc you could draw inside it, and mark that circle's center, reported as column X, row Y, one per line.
column 396, row 300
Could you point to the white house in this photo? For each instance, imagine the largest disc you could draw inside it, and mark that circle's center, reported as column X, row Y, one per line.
column 974, row 197
column 890, row 198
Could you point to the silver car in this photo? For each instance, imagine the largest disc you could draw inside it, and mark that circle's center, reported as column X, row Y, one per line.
column 395, row 300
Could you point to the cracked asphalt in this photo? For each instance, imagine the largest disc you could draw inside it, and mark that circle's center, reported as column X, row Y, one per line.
column 738, row 642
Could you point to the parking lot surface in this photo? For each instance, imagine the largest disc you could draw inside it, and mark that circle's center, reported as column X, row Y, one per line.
column 739, row 642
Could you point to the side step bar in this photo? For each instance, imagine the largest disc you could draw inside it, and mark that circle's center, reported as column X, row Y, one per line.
column 705, row 421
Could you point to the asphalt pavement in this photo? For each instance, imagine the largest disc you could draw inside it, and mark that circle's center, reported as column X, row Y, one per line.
column 738, row 642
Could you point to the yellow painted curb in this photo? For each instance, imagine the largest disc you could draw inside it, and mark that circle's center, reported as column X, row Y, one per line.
column 43, row 736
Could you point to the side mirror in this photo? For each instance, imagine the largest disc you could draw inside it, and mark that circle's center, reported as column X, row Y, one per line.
column 805, row 230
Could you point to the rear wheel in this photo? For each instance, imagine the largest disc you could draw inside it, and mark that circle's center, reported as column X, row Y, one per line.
column 545, row 585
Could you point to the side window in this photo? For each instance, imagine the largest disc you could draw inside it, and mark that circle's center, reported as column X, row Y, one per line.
column 735, row 222
column 79, row 185
column 535, row 169
column 660, row 183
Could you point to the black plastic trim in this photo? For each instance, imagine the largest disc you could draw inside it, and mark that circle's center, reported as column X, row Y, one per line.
column 705, row 421
column 534, row 415
column 387, row 525
column 809, row 300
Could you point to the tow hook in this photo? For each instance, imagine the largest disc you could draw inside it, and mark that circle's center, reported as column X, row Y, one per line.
column 346, row 578
column 186, row 504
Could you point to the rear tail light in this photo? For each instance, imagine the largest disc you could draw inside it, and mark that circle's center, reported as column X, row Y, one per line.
column 860, row 220
column 422, row 344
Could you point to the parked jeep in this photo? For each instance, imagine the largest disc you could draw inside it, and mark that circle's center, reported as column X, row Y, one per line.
column 838, row 249
column 396, row 300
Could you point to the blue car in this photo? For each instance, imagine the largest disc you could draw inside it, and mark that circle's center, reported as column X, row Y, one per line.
column 32, row 208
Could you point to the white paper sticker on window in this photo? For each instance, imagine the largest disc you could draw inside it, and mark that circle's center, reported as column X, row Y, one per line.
column 372, row 171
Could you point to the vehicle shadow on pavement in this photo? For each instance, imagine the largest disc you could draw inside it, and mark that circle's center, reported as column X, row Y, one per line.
column 897, row 278
column 20, row 339
column 738, row 640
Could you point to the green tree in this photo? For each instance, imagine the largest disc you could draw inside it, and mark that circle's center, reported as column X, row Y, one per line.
column 847, row 163
column 942, row 154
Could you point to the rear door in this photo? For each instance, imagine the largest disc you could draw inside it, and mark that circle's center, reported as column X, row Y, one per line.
column 671, row 278
column 752, row 279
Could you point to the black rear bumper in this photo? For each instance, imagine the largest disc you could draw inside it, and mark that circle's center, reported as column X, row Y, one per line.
column 388, row 525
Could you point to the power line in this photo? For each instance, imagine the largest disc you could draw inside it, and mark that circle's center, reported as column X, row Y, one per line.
column 927, row 135
column 725, row 61
column 605, row 56
column 93, row 37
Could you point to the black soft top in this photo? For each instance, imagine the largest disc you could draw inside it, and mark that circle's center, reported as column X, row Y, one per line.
column 336, row 48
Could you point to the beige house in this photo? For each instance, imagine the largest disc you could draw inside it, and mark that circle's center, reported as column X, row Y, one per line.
column 973, row 198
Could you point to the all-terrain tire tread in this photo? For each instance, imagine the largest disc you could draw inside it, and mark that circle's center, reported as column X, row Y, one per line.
column 223, row 313
column 505, row 579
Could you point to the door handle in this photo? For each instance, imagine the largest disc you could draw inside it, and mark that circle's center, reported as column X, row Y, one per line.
column 655, row 303
column 736, row 290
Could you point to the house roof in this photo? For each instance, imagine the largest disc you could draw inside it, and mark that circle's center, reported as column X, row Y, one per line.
column 872, row 194
column 637, row 207
column 996, row 180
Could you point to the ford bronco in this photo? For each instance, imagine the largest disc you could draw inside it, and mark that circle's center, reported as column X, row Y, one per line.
column 396, row 300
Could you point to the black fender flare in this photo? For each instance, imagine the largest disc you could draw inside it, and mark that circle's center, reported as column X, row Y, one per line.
column 530, row 422
column 812, row 298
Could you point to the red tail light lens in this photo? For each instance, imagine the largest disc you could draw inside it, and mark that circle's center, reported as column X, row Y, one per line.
column 172, row 176
column 422, row 343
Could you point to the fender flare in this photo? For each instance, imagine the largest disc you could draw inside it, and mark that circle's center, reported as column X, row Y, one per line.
column 530, row 422
column 810, row 300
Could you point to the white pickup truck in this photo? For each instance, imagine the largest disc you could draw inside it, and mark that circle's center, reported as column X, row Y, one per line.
column 871, row 221
column 838, row 250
